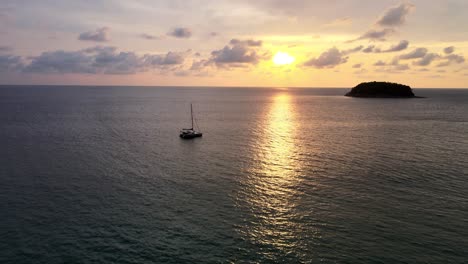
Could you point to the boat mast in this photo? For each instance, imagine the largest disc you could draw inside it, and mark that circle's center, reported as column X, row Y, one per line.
column 191, row 114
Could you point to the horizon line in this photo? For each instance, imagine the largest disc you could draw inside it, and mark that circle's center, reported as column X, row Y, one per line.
column 211, row 86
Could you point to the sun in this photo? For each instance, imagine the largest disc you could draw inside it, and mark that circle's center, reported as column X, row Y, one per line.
column 282, row 58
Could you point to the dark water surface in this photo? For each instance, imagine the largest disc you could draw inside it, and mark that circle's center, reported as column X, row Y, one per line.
column 99, row 175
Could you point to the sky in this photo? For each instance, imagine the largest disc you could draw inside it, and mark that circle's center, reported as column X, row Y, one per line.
column 273, row 43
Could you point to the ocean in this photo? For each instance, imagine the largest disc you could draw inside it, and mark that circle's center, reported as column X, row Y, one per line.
column 281, row 175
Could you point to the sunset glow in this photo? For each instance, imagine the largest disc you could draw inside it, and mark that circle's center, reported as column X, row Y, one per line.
column 234, row 43
column 282, row 58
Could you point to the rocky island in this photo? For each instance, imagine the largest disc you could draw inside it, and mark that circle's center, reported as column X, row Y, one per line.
column 381, row 90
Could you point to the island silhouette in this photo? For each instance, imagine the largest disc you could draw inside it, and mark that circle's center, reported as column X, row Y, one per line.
column 381, row 90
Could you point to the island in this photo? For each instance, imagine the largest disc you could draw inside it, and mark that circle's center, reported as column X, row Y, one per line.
column 381, row 90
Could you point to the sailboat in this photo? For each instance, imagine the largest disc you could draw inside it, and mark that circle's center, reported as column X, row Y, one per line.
column 189, row 133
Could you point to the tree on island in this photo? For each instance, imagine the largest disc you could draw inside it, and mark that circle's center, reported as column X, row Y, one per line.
column 381, row 90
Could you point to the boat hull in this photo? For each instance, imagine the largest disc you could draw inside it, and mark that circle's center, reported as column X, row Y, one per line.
column 190, row 136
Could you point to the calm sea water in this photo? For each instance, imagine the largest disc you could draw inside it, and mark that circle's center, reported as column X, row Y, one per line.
column 99, row 175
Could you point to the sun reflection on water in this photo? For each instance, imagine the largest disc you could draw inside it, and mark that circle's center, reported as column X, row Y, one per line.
column 278, row 145
column 272, row 191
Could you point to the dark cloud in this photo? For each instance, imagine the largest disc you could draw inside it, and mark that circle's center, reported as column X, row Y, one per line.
column 392, row 67
column 357, row 66
column 104, row 60
column 451, row 59
column 10, row 63
column 238, row 53
column 61, row 62
column 5, row 48
column 395, row 16
column 395, row 48
column 353, row 50
column 455, row 58
column 426, row 60
column 401, row 67
column 332, row 57
column 329, row 59
column 171, row 58
column 399, row 47
column 386, row 25
column 199, row 65
column 150, row 37
column 235, row 54
column 449, row 50
column 180, row 33
column 415, row 54
column 380, row 63
column 99, row 35
column 377, row 34
column 371, row 49
column 100, row 49
column 249, row 42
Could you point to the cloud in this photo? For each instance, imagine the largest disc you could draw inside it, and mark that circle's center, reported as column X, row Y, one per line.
column 10, row 63
column 415, row 54
column 100, row 49
column 171, row 58
column 199, row 65
column 5, row 48
column 395, row 48
column 180, row 32
column 449, row 50
column 452, row 59
column 399, row 47
column 329, row 59
column 99, row 35
column 371, row 49
column 357, row 66
column 61, row 62
column 380, row 63
column 353, row 50
column 238, row 54
column 393, row 67
column 395, row 16
column 377, row 34
column 401, row 67
column 150, row 37
column 426, row 60
column 455, row 58
column 101, row 60
column 249, row 42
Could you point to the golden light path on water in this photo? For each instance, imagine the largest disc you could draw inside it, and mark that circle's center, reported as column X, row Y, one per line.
column 272, row 186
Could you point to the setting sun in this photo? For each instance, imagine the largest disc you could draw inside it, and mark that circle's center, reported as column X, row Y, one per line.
column 282, row 58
